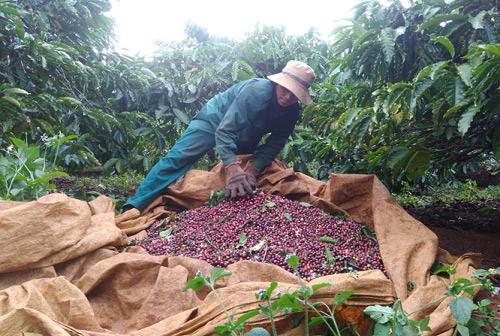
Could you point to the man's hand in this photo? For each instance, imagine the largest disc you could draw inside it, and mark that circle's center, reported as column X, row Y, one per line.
column 240, row 182
column 253, row 171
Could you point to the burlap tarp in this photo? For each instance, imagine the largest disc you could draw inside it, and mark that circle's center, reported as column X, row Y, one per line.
column 62, row 271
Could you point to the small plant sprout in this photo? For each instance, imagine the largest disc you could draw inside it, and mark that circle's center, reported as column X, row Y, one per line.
column 393, row 320
column 272, row 308
column 231, row 327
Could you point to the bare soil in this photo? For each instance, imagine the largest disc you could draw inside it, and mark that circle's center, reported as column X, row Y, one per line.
column 465, row 227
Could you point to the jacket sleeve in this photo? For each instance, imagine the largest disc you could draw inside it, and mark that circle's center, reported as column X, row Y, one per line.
column 274, row 143
column 247, row 103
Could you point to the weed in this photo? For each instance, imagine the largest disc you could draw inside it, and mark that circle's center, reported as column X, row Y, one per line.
column 297, row 301
column 393, row 320
column 24, row 171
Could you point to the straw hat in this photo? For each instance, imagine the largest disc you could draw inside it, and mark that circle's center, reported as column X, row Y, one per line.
column 297, row 77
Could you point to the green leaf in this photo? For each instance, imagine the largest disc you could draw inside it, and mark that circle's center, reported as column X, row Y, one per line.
column 423, row 324
column 440, row 18
column 223, row 219
column 496, row 143
column 218, row 273
column 166, row 233
column 181, row 115
column 452, row 110
column 454, row 91
column 363, row 37
column 419, row 163
column 243, row 318
column 20, row 28
column 270, row 204
column 11, row 100
column 419, row 88
column 447, row 44
column 287, row 216
column 243, row 239
column 189, row 100
column 18, row 142
column 492, row 48
column 477, row 21
column 32, row 153
column 350, row 115
column 270, row 290
column 293, row 261
column 382, row 329
column 257, row 332
column 15, row 191
column 234, row 71
column 406, row 330
column 290, row 301
column 321, row 285
column 460, row 285
column 466, row 118
column 396, row 154
column 368, row 232
column 438, row 268
column 388, row 38
column 9, row 10
column 342, row 297
column 305, row 204
column 410, row 286
column 316, row 320
column 326, row 239
column 463, row 330
column 461, row 308
column 330, row 260
column 437, row 69
column 194, row 284
column 68, row 101
column 381, row 314
column 465, row 72
column 248, row 69
column 223, row 329
column 16, row 91
column 258, row 246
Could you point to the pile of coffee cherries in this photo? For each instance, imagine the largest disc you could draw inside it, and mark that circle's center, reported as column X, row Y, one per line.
column 267, row 228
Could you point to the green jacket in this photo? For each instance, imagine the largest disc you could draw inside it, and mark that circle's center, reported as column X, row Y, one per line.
column 243, row 114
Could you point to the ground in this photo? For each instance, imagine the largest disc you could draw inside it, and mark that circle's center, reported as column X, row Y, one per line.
column 465, row 227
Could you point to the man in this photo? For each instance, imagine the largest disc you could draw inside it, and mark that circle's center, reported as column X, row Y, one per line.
column 234, row 122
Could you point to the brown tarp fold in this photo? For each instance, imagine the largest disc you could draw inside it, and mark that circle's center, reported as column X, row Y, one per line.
column 62, row 273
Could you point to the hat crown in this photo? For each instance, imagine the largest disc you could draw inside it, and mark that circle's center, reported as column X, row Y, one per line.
column 297, row 77
column 300, row 72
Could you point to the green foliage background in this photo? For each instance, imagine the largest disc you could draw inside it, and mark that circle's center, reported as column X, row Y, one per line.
column 410, row 94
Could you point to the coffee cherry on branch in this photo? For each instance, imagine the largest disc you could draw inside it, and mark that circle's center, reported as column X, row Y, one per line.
column 265, row 228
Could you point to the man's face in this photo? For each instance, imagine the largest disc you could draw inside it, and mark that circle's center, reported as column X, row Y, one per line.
column 285, row 97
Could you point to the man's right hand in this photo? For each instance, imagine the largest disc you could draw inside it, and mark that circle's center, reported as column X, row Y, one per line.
column 239, row 182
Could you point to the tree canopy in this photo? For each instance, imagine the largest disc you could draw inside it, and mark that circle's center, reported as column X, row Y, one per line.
column 407, row 93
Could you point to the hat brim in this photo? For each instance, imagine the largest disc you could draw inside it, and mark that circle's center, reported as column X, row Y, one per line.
column 296, row 88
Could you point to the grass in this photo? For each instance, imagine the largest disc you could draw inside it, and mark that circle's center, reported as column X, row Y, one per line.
column 467, row 191
column 117, row 188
